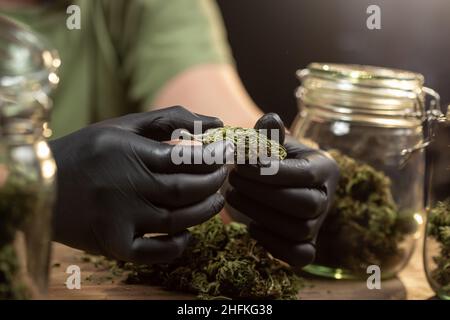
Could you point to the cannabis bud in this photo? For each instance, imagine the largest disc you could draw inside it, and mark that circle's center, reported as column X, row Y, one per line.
column 439, row 230
column 364, row 226
column 224, row 262
column 17, row 200
column 252, row 141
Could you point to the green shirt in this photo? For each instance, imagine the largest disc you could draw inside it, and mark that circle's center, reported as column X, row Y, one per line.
column 125, row 51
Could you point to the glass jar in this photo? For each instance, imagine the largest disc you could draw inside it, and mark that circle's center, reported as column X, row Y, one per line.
column 437, row 236
column 370, row 119
column 27, row 168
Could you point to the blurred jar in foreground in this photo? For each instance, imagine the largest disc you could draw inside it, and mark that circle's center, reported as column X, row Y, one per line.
column 27, row 168
column 370, row 119
column 437, row 236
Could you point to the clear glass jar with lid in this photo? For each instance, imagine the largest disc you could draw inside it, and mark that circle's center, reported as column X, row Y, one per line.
column 371, row 120
column 437, row 235
column 27, row 169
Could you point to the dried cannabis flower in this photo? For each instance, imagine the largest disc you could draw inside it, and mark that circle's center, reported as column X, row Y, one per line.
column 222, row 261
column 364, row 226
column 17, row 198
column 439, row 229
column 249, row 140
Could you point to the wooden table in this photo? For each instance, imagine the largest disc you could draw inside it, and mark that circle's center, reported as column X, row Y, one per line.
column 410, row 284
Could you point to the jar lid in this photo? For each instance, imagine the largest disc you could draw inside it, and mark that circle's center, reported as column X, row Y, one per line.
column 381, row 96
column 26, row 62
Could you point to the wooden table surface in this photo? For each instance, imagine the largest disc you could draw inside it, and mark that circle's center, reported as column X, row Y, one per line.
column 410, row 284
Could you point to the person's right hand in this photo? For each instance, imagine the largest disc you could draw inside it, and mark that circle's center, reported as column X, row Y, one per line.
column 117, row 182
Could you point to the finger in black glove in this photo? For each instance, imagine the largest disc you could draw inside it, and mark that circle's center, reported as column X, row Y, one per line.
column 117, row 182
column 288, row 208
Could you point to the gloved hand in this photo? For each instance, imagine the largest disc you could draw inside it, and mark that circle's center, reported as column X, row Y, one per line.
column 117, row 182
column 288, row 208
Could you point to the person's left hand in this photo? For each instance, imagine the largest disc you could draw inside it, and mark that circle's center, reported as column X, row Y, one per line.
column 288, row 208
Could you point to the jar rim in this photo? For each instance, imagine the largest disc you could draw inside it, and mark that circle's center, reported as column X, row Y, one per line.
column 364, row 72
column 28, row 62
column 364, row 92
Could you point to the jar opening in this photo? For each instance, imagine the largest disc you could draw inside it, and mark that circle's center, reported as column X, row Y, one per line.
column 26, row 62
column 361, row 72
column 376, row 95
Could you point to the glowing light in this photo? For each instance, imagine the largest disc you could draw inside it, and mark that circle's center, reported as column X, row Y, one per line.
column 56, row 63
column 419, row 219
column 53, row 78
column 42, row 149
column 338, row 274
column 47, row 57
column 48, row 169
column 46, row 132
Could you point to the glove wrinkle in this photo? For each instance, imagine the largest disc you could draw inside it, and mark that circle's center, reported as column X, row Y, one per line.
column 117, row 182
column 286, row 209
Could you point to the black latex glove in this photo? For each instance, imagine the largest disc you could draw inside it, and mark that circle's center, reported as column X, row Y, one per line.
column 116, row 182
column 286, row 209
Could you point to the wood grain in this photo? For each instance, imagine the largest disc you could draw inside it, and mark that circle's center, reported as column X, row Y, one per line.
column 410, row 284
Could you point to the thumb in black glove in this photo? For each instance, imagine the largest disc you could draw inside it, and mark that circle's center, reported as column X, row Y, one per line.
column 288, row 208
column 117, row 182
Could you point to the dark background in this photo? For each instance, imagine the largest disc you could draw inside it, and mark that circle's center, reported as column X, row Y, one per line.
column 271, row 39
